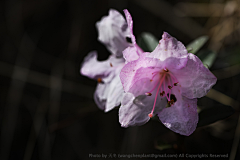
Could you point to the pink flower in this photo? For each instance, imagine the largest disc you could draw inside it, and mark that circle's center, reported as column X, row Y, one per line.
column 113, row 31
column 169, row 76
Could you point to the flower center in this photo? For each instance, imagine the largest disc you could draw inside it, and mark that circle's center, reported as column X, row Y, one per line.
column 165, row 83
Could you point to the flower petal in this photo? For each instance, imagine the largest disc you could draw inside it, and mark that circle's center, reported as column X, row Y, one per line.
column 100, row 95
column 130, row 25
column 128, row 73
column 195, row 79
column 115, row 93
column 103, row 69
column 182, row 117
column 134, row 109
column 113, row 31
column 132, row 52
column 132, row 113
column 170, row 47
column 109, row 95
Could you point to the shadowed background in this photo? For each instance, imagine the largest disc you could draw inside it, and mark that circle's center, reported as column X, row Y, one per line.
column 47, row 110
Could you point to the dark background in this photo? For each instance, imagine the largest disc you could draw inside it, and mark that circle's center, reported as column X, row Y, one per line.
column 47, row 110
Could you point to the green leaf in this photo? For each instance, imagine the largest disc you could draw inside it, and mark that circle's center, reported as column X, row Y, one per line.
column 213, row 114
column 147, row 42
column 207, row 57
column 195, row 45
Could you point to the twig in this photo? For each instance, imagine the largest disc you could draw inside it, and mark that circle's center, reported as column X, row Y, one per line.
column 43, row 80
column 200, row 9
column 15, row 93
column 224, row 99
column 227, row 72
column 235, row 141
column 36, row 127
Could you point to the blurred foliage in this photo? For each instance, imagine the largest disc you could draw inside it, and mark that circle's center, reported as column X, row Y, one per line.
column 195, row 45
column 147, row 42
column 207, row 57
column 213, row 114
column 47, row 108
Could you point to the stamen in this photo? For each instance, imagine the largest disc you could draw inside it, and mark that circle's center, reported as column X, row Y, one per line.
column 160, row 84
column 111, row 65
column 169, row 84
column 166, row 83
column 173, row 77
column 154, row 85
column 99, row 80
column 171, row 102
column 150, row 115
column 165, row 69
column 154, row 74
column 162, row 93
column 148, row 94
column 165, row 90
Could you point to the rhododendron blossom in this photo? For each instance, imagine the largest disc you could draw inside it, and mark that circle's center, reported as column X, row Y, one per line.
column 165, row 82
column 113, row 31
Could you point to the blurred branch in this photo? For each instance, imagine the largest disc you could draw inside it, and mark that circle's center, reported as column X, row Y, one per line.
column 15, row 93
column 161, row 8
column 235, row 141
column 38, row 120
column 90, row 107
column 200, row 9
column 224, row 99
column 236, row 137
column 43, row 80
column 227, row 72
column 226, row 26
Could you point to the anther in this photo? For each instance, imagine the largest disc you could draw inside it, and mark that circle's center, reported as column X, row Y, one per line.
column 148, row 94
column 171, row 102
column 165, row 69
column 175, row 84
column 111, row 64
column 150, row 115
column 162, row 93
column 99, row 80
column 170, row 87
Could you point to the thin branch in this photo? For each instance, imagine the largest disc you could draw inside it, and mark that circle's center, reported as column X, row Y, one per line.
column 227, row 72
column 235, row 141
column 224, row 99
column 43, row 80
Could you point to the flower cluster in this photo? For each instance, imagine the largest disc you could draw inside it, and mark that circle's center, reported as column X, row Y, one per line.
column 113, row 32
column 165, row 82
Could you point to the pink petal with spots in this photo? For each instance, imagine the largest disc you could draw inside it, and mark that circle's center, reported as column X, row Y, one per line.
column 195, row 79
column 182, row 117
column 169, row 47
column 134, row 110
